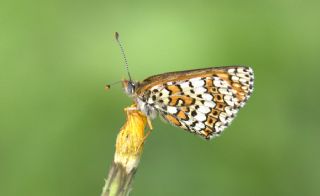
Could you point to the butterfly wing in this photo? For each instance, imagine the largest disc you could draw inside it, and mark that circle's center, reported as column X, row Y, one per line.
column 203, row 101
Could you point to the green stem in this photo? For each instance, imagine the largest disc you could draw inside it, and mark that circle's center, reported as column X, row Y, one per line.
column 118, row 182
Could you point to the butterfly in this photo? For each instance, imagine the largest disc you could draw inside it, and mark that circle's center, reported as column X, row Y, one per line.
column 201, row 101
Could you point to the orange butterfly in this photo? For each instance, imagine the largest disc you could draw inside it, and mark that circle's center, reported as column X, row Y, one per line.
column 201, row 101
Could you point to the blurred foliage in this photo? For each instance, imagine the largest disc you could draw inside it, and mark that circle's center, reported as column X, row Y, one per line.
column 58, row 126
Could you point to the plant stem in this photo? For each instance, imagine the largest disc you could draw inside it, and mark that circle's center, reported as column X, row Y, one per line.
column 129, row 147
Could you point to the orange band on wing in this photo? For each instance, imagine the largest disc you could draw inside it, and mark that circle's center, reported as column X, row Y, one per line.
column 172, row 119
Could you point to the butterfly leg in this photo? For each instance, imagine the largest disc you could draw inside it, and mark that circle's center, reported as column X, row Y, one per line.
column 147, row 133
column 144, row 139
column 149, row 123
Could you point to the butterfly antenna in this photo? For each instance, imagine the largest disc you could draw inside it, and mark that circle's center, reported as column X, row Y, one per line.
column 123, row 54
column 108, row 86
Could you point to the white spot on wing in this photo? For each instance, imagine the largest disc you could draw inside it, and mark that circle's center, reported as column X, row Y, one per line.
column 235, row 78
column 207, row 97
column 229, row 100
column 222, row 117
column 231, row 71
column 228, row 110
column 200, row 117
column 203, row 109
column 165, row 92
column 242, row 75
column 197, row 83
column 219, row 83
column 150, row 101
column 189, row 122
column 197, row 128
column 200, row 90
column 225, row 91
column 200, row 125
column 184, row 85
column 209, row 104
column 172, row 110
column 240, row 70
column 180, row 102
column 243, row 81
column 194, row 79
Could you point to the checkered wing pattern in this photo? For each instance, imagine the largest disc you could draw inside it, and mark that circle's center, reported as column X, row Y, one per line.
column 202, row 101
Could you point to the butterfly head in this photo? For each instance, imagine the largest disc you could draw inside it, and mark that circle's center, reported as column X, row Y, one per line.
column 129, row 87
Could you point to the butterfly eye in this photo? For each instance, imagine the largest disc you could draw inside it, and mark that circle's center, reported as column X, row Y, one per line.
column 130, row 87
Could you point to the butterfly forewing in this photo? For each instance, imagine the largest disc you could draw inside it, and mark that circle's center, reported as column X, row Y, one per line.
column 202, row 101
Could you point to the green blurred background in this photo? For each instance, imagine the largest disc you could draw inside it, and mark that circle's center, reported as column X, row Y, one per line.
column 58, row 125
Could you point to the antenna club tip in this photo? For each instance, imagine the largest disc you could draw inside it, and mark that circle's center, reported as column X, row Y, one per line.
column 116, row 34
column 107, row 87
